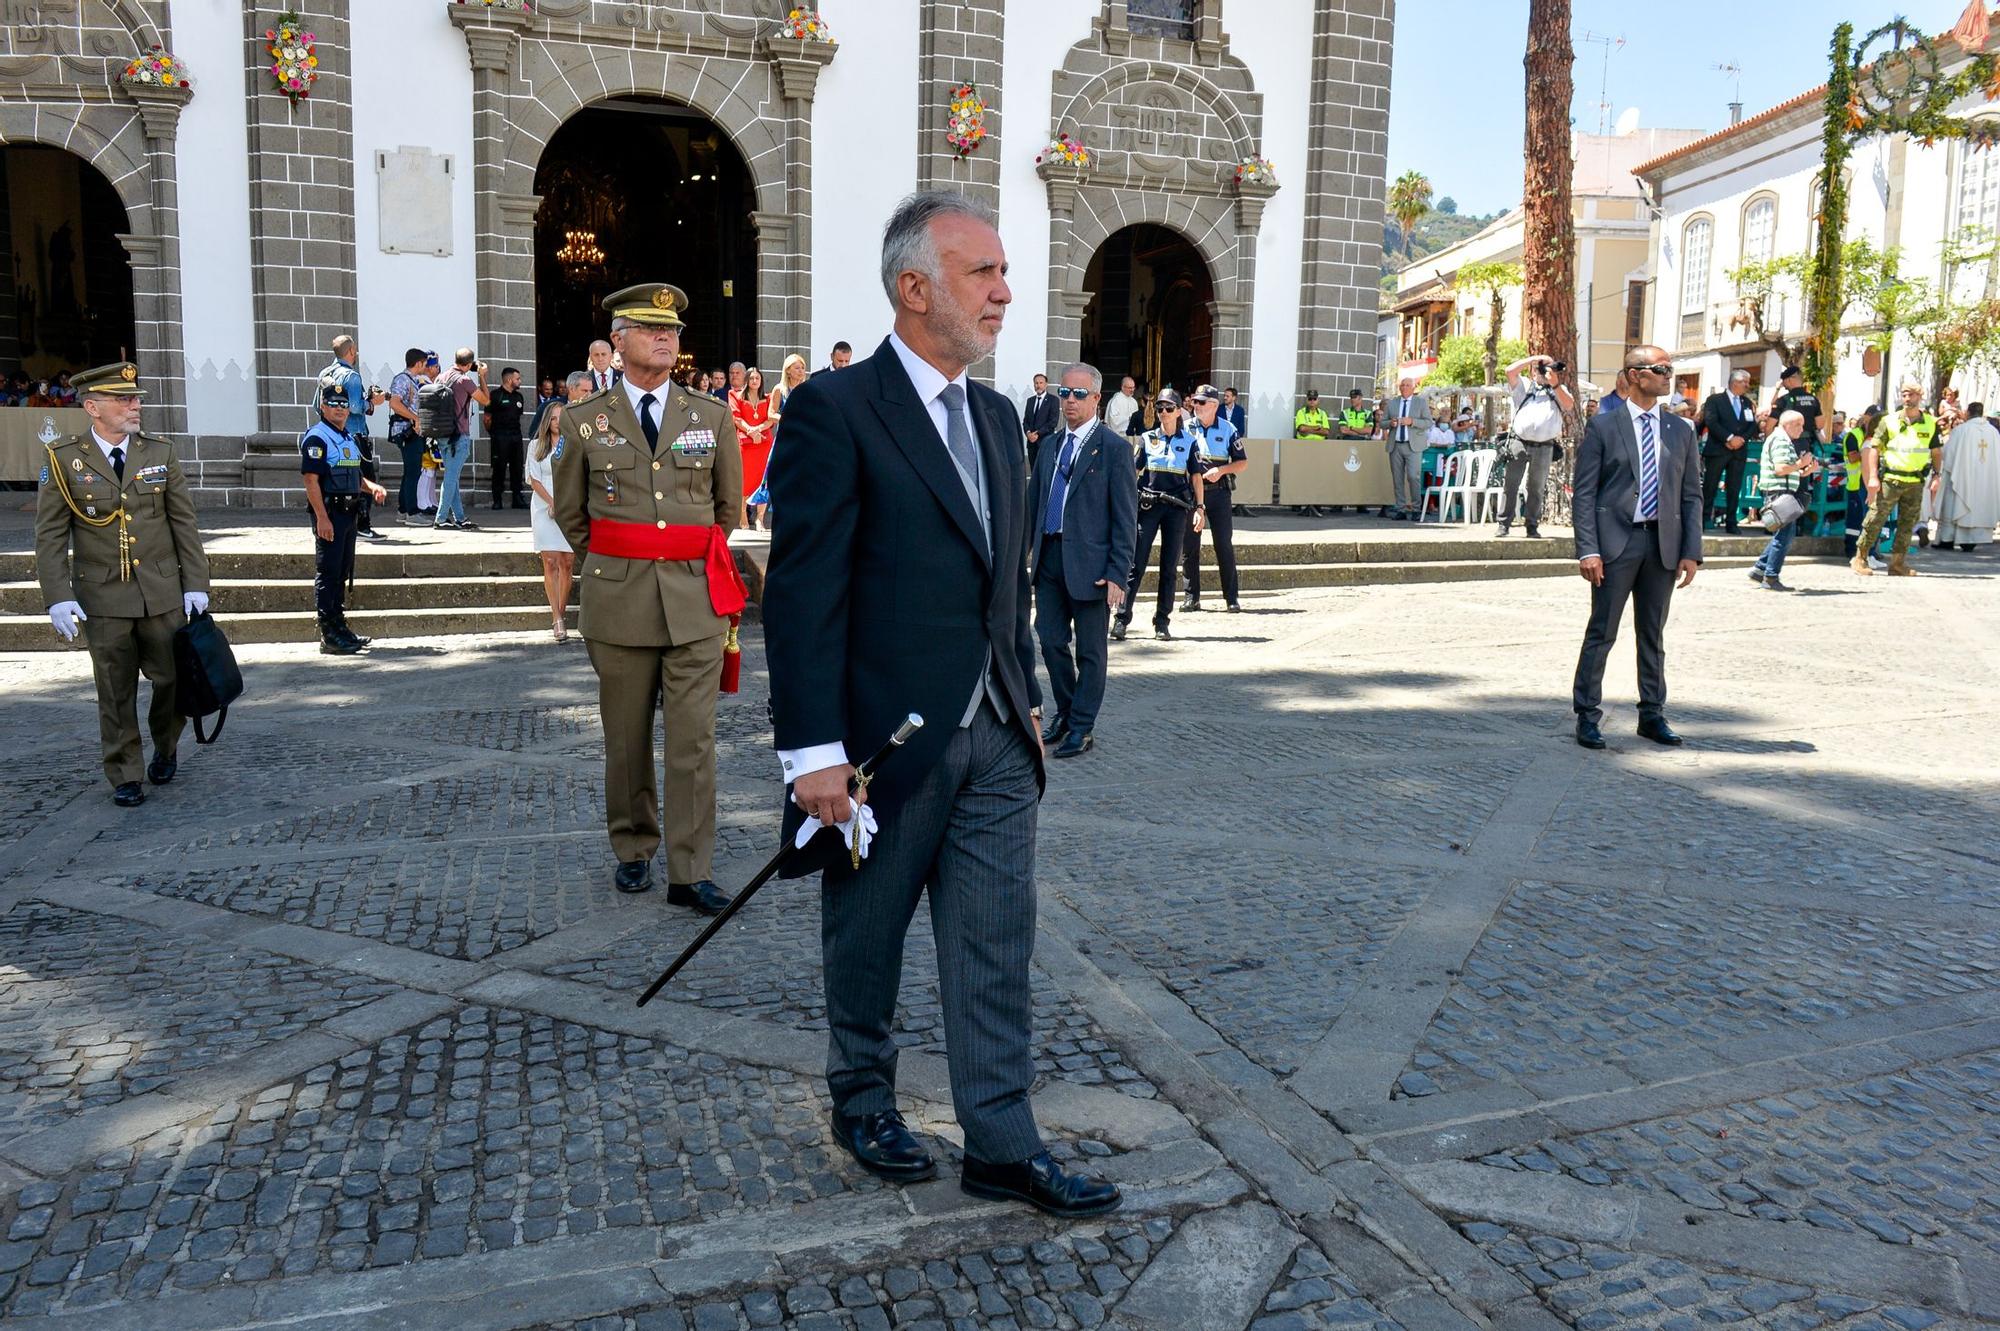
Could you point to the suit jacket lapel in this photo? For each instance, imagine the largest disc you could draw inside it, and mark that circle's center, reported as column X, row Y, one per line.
column 1003, row 475
column 1629, row 435
column 911, row 430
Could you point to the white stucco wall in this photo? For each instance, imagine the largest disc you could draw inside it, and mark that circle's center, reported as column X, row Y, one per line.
column 1277, row 47
column 213, row 180
column 864, row 161
column 1039, row 33
column 415, row 89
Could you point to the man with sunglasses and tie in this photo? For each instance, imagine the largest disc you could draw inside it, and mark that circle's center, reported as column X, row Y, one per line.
column 1086, row 512
column 1637, row 507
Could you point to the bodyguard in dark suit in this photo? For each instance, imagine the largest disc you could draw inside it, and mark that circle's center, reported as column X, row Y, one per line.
column 898, row 583
column 1730, row 419
column 1082, row 522
column 1637, row 509
column 1041, row 416
column 1232, row 411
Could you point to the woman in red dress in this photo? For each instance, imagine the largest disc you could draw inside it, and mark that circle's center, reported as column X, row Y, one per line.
column 752, row 411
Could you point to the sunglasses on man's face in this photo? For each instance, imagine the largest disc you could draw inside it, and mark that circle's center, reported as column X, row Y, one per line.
column 1078, row 393
column 1665, row 368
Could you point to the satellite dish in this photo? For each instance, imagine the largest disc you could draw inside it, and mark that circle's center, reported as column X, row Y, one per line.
column 1628, row 121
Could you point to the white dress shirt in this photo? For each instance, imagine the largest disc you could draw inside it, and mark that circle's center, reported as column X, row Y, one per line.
column 1402, row 410
column 105, row 448
column 633, row 392
column 930, row 384
column 602, row 379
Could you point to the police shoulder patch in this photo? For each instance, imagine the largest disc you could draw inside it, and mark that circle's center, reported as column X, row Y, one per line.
column 45, row 473
column 315, row 452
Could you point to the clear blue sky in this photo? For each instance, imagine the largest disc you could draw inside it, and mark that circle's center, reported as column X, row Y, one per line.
column 1455, row 105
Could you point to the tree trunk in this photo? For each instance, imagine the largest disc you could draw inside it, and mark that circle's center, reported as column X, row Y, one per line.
column 1548, row 253
column 1490, row 362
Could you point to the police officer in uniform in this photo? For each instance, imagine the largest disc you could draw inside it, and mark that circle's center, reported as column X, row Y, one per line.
column 1222, row 456
column 648, row 485
column 1893, row 462
column 113, row 499
column 331, row 462
column 1170, row 500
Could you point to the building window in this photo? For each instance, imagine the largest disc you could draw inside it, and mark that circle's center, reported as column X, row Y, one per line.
column 1760, row 226
column 1694, row 265
column 1635, row 313
column 1161, row 18
column 1978, row 192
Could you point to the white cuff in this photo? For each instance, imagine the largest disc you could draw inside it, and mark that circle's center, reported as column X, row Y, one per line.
column 815, row 758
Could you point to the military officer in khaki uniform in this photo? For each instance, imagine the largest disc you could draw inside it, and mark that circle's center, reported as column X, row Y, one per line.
column 648, row 485
column 113, row 501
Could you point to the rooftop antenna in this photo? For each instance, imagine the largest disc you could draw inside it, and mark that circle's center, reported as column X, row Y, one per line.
column 1735, row 73
column 1609, row 44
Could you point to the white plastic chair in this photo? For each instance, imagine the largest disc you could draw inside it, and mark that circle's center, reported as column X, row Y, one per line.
column 1472, row 479
column 1493, row 499
column 1447, row 477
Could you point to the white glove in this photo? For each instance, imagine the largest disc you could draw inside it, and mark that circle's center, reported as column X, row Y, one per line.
column 854, row 838
column 66, row 615
column 193, row 603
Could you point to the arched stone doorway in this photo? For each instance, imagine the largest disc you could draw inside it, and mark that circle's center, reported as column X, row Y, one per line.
column 636, row 190
column 67, row 303
column 1150, row 309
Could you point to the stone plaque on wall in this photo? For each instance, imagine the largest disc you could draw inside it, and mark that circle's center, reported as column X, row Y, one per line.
column 414, row 198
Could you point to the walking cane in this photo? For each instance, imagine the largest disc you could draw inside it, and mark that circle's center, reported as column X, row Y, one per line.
column 862, row 775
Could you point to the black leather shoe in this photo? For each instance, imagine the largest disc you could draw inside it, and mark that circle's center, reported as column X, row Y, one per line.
column 633, row 876
column 704, row 897
column 129, row 796
column 1533, row 533
column 1057, row 729
column 1118, row 627
column 1234, row 608
column 161, row 770
column 333, row 644
column 1943, row 545
column 883, row 1145
column 1588, row 735
column 1041, row 1183
column 1732, row 530
column 1656, row 729
column 1075, row 746
column 1773, row 585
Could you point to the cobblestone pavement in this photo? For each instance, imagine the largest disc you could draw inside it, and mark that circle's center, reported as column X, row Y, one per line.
column 1386, row 1005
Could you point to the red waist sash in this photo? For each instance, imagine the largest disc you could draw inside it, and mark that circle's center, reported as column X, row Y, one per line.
column 661, row 541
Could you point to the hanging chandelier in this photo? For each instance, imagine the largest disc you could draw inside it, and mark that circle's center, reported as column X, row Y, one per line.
column 579, row 254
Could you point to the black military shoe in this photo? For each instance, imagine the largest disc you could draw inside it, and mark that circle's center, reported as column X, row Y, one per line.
column 705, row 897
column 337, row 643
column 1533, row 533
column 1118, row 627
column 1041, row 1183
column 1074, row 747
column 1056, row 731
column 161, row 770
column 883, row 1145
column 130, row 795
column 1655, row 728
column 633, row 876
column 1588, row 735
column 353, row 637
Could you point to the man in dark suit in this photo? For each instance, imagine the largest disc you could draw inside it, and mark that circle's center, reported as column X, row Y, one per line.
column 1636, row 503
column 1232, row 411
column 1730, row 419
column 898, row 583
column 1040, row 417
column 1084, row 519
column 842, row 355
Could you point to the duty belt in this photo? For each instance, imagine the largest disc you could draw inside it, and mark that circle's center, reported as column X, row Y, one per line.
column 664, row 541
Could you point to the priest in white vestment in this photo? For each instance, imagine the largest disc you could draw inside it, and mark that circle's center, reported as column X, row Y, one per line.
column 1967, row 487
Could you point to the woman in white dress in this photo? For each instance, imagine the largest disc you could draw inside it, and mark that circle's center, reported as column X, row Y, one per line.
column 549, row 542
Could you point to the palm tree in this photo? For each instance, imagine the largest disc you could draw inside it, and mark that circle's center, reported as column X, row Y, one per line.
column 1409, row 200
column 1548, row 247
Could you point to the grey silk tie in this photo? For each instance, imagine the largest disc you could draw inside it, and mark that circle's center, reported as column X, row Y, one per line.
column 958, row 437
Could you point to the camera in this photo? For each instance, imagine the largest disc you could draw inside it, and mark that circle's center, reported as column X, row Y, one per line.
column 1557, row 366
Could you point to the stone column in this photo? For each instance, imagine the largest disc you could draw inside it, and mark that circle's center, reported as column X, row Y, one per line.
column 1065, row 336
column 1346, row 160
column 784, row 241
column 301, row 217
column 960, row 41
column 1231, row 318
column 503, row 223
column 156, row 263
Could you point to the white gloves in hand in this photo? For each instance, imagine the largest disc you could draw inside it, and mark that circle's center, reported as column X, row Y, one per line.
column 855, row 839
column 193, row 603
column 66, row 615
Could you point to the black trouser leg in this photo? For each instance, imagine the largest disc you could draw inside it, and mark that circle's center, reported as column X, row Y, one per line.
column 1052, row 626
column 1222, row 531
column 1142, row 555
column 333, row 564
column 1190, row 561
column 1173, row 529
column 411, row 446
column 507, row 460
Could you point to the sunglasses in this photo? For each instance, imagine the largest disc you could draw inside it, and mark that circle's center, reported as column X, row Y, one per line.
column 1078, row 393
column 1665, row 367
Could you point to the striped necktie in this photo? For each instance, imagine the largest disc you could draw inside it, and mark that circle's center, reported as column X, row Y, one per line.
column 1649, row 470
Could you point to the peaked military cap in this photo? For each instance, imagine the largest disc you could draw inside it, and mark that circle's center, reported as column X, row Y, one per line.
column 656, row 304
column 119, row 380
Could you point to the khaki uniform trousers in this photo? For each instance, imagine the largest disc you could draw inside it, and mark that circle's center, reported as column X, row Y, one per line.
column 121, row 650
column 1906, row 500
column 679, row 683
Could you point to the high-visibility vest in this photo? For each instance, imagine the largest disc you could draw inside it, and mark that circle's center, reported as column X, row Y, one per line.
column 1357, row 418
column 1851, row 444
column 1908, row 448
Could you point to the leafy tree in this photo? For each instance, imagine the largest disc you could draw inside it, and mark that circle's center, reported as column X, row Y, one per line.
column 1448, row 206
column 1493, row 279
column 1461, row 361
column 1872, row 281
column 1409, row 199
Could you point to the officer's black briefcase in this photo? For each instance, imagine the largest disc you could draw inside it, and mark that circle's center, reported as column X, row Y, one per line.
column 206, row 679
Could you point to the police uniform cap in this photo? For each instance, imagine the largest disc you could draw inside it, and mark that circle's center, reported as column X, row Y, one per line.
column 333, row 395
column 1355, row 392
column 1167, row 398
column 655, row 304
column 1788, row 371
column 116, row 380
column 1205, row 393
column 1312, row 395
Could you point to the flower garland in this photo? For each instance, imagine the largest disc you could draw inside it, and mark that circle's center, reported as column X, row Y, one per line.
column 967, row 125
column 294, row 65
column 156, row 67
column 1256, row 171
column 1064, row 151
column 805, row 25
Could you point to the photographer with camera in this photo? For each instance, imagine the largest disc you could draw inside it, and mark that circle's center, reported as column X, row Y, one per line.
column 344, row 378
column 1541, row 403
column 465, row 382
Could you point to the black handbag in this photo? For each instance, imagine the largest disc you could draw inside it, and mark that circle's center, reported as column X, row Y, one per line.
column 206, row 679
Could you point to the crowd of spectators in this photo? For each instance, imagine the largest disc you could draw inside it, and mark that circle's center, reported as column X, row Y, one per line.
column 21, row 390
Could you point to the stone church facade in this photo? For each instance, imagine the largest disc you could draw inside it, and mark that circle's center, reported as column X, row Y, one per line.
column 258, row 229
